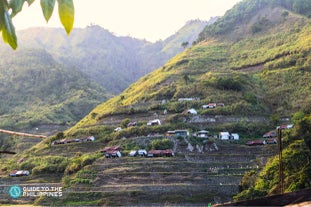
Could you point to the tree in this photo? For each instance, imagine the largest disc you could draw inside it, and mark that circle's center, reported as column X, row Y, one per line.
column 10, row 8
column 185, row 44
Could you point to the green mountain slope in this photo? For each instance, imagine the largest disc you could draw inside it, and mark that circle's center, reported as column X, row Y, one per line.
column 51, row 78
column 111, row 61
column 259, row 68
column 41, row 96
column 266, row 72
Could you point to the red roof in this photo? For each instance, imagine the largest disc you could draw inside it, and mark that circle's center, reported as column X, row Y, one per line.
column 111, row 148
column 155, row 152
column 161, row 152
column 256, row 142
column 270, row 134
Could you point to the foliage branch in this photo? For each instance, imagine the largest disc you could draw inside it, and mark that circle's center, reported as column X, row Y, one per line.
column 10, row 8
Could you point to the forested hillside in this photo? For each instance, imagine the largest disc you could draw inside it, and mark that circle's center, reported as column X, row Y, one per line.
column 258, row 64
column 253, row 65
column 55, row 80
column 111, row 61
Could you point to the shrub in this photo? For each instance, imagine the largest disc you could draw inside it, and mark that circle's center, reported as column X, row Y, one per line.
column 162, row 144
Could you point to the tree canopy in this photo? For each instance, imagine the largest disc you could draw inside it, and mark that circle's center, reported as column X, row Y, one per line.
column 10, row 8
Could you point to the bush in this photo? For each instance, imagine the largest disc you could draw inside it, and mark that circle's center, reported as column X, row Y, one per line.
column 162, row 144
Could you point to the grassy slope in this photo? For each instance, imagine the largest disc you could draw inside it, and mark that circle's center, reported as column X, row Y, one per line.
column 246, row 74
column 262, row 65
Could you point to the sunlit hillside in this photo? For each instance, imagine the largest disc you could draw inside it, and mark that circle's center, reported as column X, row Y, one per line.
column 252, row 66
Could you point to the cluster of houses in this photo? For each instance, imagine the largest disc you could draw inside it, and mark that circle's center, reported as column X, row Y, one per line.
column 213, row 105
column 115, row 152
column 203, row 134
column 185, row 112
column 207, row 106
column 269, row 137
column 66, row 141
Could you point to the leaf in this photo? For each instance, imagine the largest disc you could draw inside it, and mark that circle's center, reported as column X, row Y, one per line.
column 8, row 31
column 30, row 2
column 47, row 8
column 66, row 14
column 16, row 6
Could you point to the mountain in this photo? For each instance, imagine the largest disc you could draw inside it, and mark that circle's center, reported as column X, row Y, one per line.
column 111, row 61
column 255, row 59
column 54, row 80
column 37, row 90
column 254, row 63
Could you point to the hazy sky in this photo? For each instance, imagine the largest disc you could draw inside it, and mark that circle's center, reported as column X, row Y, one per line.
column 144, row 19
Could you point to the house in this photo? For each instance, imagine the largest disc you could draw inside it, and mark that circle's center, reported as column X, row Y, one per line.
column 270, row 134
column 188, row 99
column 118, row 129
column 160, row 153
column 133, row 153
column 84, row 139
column 142, row 153
column 154, row 153
column 202, row 134
column 177, row 133
column 224, row 135
column 133, row 123
column 112, row 151
column 256, row 142
column 17, row 173
column 181, row 133
column 170, row 133
column 209, row 106
column 154, row 122
column 168, row 153
column 189, row 111
column 235, row 136
column 285, row 126
column 90, row 139
column 271, row 141
column 87, row 139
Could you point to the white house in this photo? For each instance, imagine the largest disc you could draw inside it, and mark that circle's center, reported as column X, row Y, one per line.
column 154, row 122
column 202, row 133
column 209, row 106
column 224, row 135
column 190, row 111
column 235, row 136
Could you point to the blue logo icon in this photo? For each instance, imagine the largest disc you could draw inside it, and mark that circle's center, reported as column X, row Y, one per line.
column 15, row 191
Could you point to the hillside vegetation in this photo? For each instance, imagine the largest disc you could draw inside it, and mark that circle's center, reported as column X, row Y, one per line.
column 264, row 72
column 53, row 80
column 258, row 67
column 111, row 61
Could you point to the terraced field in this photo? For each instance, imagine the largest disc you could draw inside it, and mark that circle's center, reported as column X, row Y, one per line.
column 186, row 179
column 211, row 175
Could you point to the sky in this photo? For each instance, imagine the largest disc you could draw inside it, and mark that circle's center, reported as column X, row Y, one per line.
column 152, row 20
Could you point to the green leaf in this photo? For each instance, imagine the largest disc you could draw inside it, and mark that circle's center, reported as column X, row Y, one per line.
column 66, row 14
column 47, row 8
column 8, row 31
column 30, row 2
column 16, row 6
